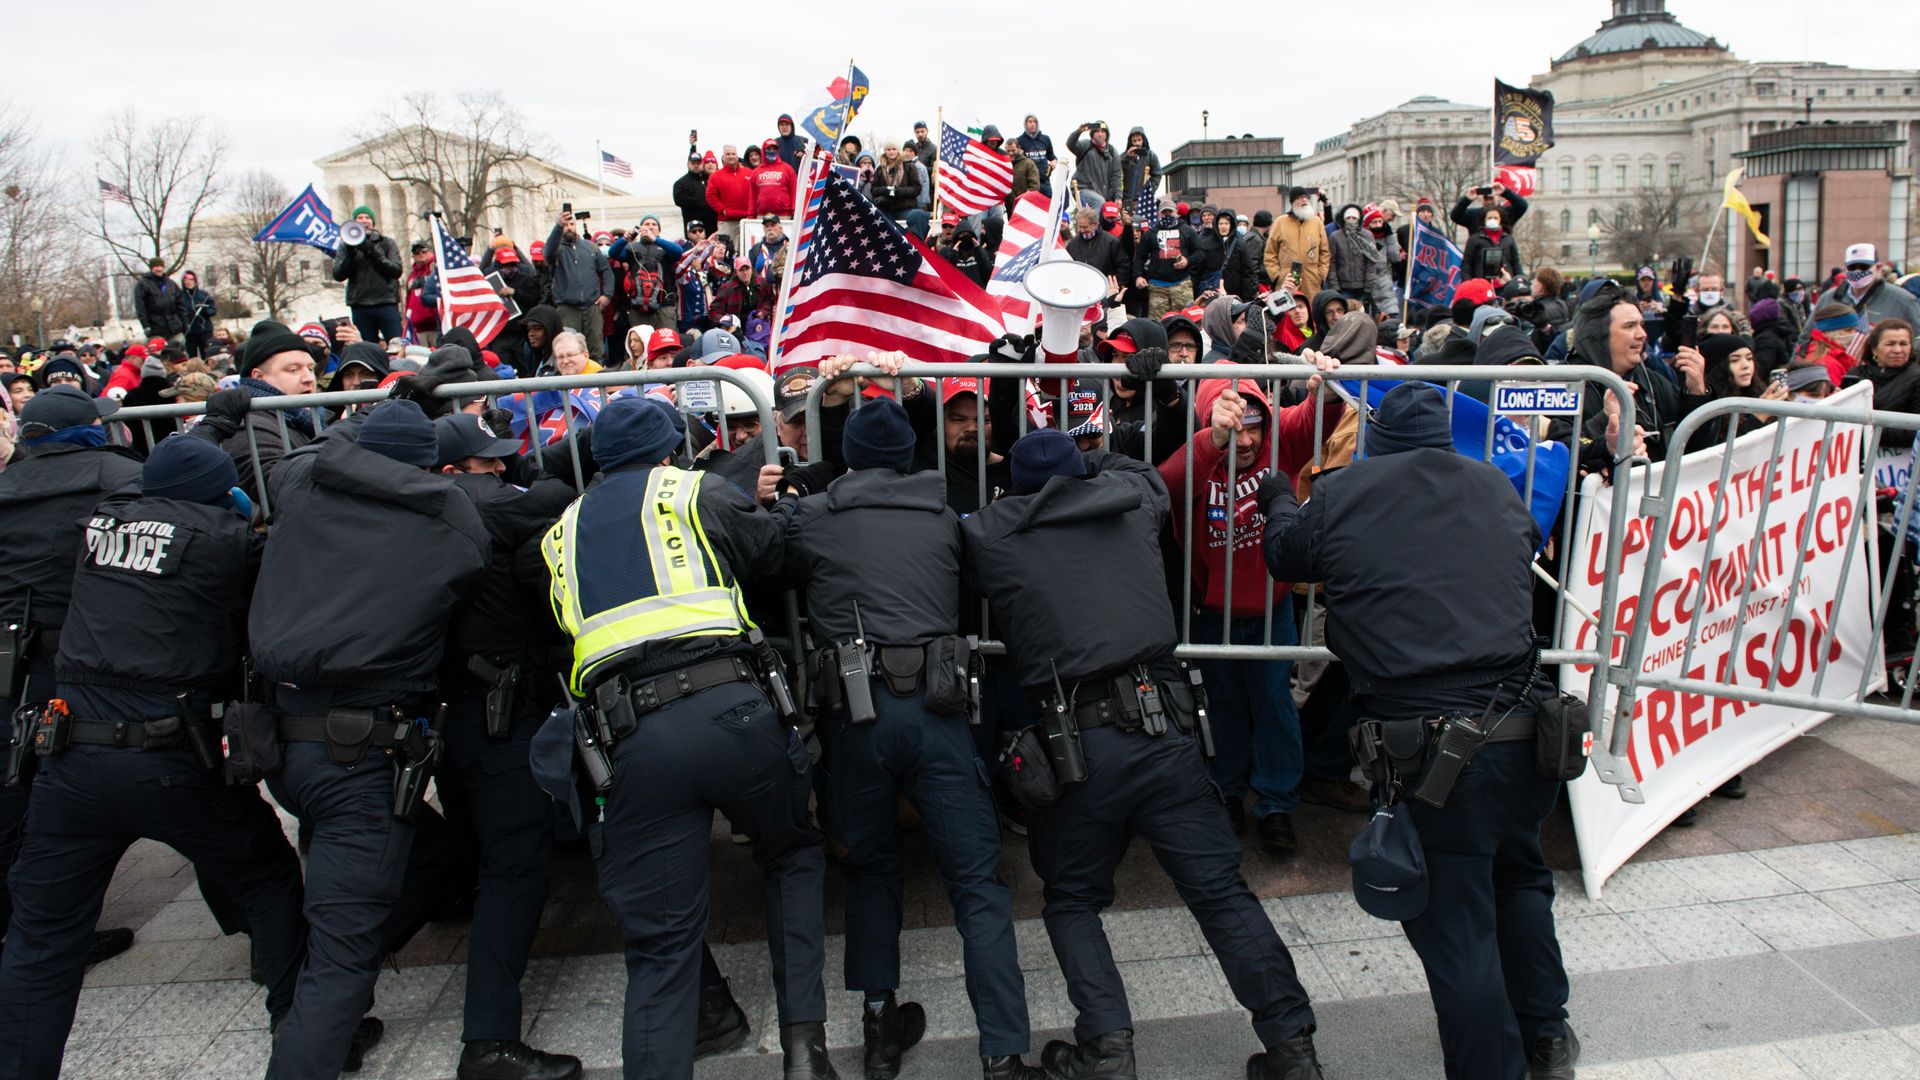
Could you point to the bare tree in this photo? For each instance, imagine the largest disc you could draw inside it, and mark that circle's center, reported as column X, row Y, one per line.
column 1655, row 222
column 169, row 172
column 465, row 159
column 40, row 250
column 1441, row 173
column 273, row 275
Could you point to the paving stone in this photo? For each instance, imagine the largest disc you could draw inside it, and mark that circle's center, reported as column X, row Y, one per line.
column 1333, row 917
column 162, row 1058
column 1625, row 1070
column 1856, row 1055
column 1645, row 886
column 181, row 920
column 234, row 1055
column 1373, row 967
column 1735, row 876
column 188, row 1008
column 1896, row 856
column 1814, row 867
column 1798, row 921
column 1885, row 911
column 1176, row 986
column 1745, row 1062
column 1570, row 897
column 1701, row 932
column 410, row 992
column 1603, row 943
column 590, row 1033
column 219, row 958
column 148, row 963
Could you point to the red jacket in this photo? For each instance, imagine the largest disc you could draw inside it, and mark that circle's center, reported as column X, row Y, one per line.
column 1295, row 431
column 421, row 314
column 730, row 193
column 773, row 189
column 126, row 376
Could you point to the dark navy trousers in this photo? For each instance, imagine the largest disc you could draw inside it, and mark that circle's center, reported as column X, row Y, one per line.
column 931, row 760
column 90, row 804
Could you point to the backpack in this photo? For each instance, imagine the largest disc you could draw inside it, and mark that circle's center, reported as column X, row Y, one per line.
column 647, row 286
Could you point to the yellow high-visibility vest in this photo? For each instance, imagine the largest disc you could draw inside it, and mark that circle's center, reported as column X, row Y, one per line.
column 631, row 564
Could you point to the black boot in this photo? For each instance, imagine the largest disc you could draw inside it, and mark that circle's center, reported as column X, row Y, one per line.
column 1289, row 1059
column 1009, row 1068
column 1109, row 1055
column 500, row 1059
column 723, row 1023
column 1553, row 1057
column 365, row 1037
column 107, row 944
column 890, row 1035
column 1276, row 834
column 804, row 1047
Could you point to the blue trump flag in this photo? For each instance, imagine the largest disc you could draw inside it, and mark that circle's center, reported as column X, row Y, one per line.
column 1551, row 460
column 1436, row 266
column 826, row 117
column 306, row 221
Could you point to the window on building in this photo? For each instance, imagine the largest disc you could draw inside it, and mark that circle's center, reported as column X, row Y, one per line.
column 1822, row 92
column 1619, row 178
column 1646, row 176
column 1763, row 89
column 1593, row 217
column 1566, row 250
column 233, row 274
column 1566, row 221
column 1879, row 91
column 1566, row 178
column 1593, row 178
column 1673, row 174
column 1802, row 227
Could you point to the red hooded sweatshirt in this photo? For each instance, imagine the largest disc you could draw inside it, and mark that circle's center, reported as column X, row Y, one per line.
column 730, row 193
column 126, row 374
column 1294, row 429
column 773, row 183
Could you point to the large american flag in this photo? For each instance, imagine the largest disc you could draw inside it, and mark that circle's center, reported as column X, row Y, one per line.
column 614, row 165
column 466, row 297
column 1020, row 249
column 973, row 176
column 868, row 286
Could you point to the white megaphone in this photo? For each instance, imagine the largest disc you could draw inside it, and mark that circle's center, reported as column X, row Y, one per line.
column 352, row 233
column 1063, row 289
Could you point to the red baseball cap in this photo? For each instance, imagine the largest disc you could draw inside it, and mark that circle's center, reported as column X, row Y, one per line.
column 663, row 338
column 603, row 237
column 490, row 358
column 1110, row 209
column 953, row 387
column 1182, row 207
column 1478, row 290
column 506, row 256
column 156, row 343
column 537, row 249
column 743, row 362
column 949, row 219
column 1196, row 312
column 1119, row 341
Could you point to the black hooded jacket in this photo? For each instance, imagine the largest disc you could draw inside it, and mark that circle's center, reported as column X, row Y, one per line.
column 690, row 195
column 878, row 509
column 44, row 501
column 376, row 636
column 507, row 612
column 538, row 360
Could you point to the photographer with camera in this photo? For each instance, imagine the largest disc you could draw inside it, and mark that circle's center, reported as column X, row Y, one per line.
column 372, row 270
column 1491, row 248
column 1492, row 198
column 964, row 251
column 582, row 280
column 197, row 305
column 1297, row 246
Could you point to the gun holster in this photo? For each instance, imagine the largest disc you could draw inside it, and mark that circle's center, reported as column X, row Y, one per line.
column 773, row 672
column 502, row 684
column 19, row 742
column 422, row 749
column 613, row 709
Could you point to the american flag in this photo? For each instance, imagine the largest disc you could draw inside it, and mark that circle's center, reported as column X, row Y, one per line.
column 1146, row 209
column 114, row 193
column 615, row 165
column 973, row 176
column 868, row 286
column 1020, row 249
column 466, row 298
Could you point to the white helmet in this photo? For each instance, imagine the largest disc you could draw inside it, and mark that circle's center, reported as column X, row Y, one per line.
column 734, row 400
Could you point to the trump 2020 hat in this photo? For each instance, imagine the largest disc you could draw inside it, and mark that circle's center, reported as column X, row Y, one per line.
column 1389, row 866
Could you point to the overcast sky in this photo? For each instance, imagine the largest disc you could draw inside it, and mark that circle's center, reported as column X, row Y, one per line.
column 290, row 83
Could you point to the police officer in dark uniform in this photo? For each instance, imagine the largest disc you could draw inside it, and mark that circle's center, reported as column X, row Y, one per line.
column 504, row 653
column 1486, row 935
column 645, row 569
column 153, row 638
column 44, row 501
column 902, row 676
column 1120, row 721
column 353, row 662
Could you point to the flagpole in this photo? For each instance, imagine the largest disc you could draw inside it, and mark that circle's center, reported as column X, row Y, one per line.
column 939, row 122
column 600, row 178
column 1413, row 252
column 812, row 163
column 1050, row 247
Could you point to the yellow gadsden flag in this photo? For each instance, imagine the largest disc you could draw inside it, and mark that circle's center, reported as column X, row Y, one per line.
column 1738, row 204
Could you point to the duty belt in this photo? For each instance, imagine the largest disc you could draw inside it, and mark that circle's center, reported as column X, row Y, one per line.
column 1114, row 702
column 659, row 691
column 123, row 734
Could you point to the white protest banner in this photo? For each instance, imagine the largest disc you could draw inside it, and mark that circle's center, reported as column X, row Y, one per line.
column 1685, row 745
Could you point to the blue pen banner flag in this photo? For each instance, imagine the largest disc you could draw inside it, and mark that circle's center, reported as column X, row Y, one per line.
column 1551, row 460
column 1435, row 266
column 830, row 111
column 306, row 221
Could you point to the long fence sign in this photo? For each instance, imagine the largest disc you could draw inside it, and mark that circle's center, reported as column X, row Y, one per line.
column 1754, row 557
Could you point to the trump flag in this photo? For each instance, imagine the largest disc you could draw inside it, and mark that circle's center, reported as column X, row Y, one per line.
column 1434, row 266
column 305, row 221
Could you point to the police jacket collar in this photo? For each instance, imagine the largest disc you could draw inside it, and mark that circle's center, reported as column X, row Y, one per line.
column 345, row 467
column 888, row 490
column 62, row 469
column 1066, row 500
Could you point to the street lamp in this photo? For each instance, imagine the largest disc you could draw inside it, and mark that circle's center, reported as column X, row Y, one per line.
column 1593, row 249
column 40, row 321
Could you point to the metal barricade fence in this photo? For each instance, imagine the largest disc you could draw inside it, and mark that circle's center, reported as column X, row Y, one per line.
column 1271, row 378
column 1754, row 568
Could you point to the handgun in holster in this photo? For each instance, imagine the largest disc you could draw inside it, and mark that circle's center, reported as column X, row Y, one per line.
column 613, row 716
column 1063, row 737
column 19, row 742
column 773, row 671
column 587, row 740
column 1153, row 709
column 502, row 684
column 53, row 728
column 856, row 674
column 1202, row 727
column 422, row 748
column 199, row 730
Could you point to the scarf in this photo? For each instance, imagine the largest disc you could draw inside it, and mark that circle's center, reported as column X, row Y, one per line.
column 300, row 419
column 79, row 435
column 1368, row 247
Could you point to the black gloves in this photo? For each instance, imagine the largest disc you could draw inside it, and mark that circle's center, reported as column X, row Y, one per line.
column 227, row 411
column 1273, row 486
column 808, row 479
column 1145, row 364
column 1008, row 349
